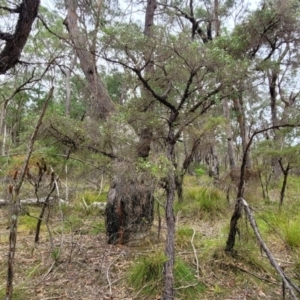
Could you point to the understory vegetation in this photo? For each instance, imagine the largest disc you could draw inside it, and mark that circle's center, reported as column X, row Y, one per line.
column 73, row 259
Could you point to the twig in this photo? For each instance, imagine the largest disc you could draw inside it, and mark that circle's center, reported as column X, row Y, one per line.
column 15, row 191
column 107, row 273
column 48, row 272
column 195, row 254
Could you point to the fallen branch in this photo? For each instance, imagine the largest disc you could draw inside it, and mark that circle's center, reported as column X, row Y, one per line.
column 285, row 280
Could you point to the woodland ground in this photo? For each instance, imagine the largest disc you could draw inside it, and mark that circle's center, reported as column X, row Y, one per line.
column 76, row 263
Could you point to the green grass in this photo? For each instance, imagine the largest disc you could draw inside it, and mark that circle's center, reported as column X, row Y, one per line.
column 145, row 276
column 27, row 224
column 282, row 225
column 18, row 293
column 98, row 227
column 202, row 202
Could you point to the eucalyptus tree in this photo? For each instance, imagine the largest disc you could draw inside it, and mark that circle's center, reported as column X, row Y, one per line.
column 270, row 36
column 188, row 78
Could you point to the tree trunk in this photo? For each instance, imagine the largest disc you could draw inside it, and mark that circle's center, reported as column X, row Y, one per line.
column 101, row 105
column 239, row 109
column 179, row 186
column 146, row 133
column 213, row 164
column 129, row 210
column 273, row 98
column 230, row 147
column 14, row 43
column 285, row 172
column 168, row 292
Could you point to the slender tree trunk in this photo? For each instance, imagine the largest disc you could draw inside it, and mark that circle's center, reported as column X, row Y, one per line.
column 67, row 74
column 168, row 293
column 3, row 127
column 285, row 172
column 273, row 98
column 179, row 186
column 146, row 134
column 15, row 191
column 230, row 147
column 239, row 109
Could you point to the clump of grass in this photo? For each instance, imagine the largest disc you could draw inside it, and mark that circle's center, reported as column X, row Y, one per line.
column 186, row 285
column 145, row 276
column 291, row 232
column 200, row 202
column 184, row 236
column 18, row 293
column 93, row 196
column 27, row 224
column 285, row 224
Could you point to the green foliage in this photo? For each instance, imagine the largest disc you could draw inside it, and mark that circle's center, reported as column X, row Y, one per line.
column 146, row 274
column 202, row 202
column 19, row 293
column 98, row 227
column 55, row 254
column 183, row 237
column 200, row 171
column 91, row 196
column 72, row 222
column 292, row 233
column 27, row 224
column 158, row 166
column 284, row 224
column 114, row 84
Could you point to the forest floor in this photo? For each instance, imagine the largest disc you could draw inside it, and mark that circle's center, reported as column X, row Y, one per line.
column 75, row 262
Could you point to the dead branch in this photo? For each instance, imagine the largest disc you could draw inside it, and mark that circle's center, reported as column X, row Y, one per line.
column 285, row 280
column 16, row 204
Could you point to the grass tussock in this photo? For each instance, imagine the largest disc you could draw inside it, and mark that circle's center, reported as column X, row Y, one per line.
column 145, row 276
column 28, row 224
column 202, row 202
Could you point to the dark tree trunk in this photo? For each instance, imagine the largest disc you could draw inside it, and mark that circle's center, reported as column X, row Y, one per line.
column 179, row 188
column 285, row 172
column 233, row 225
column 15, row 43
column 129, row 210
